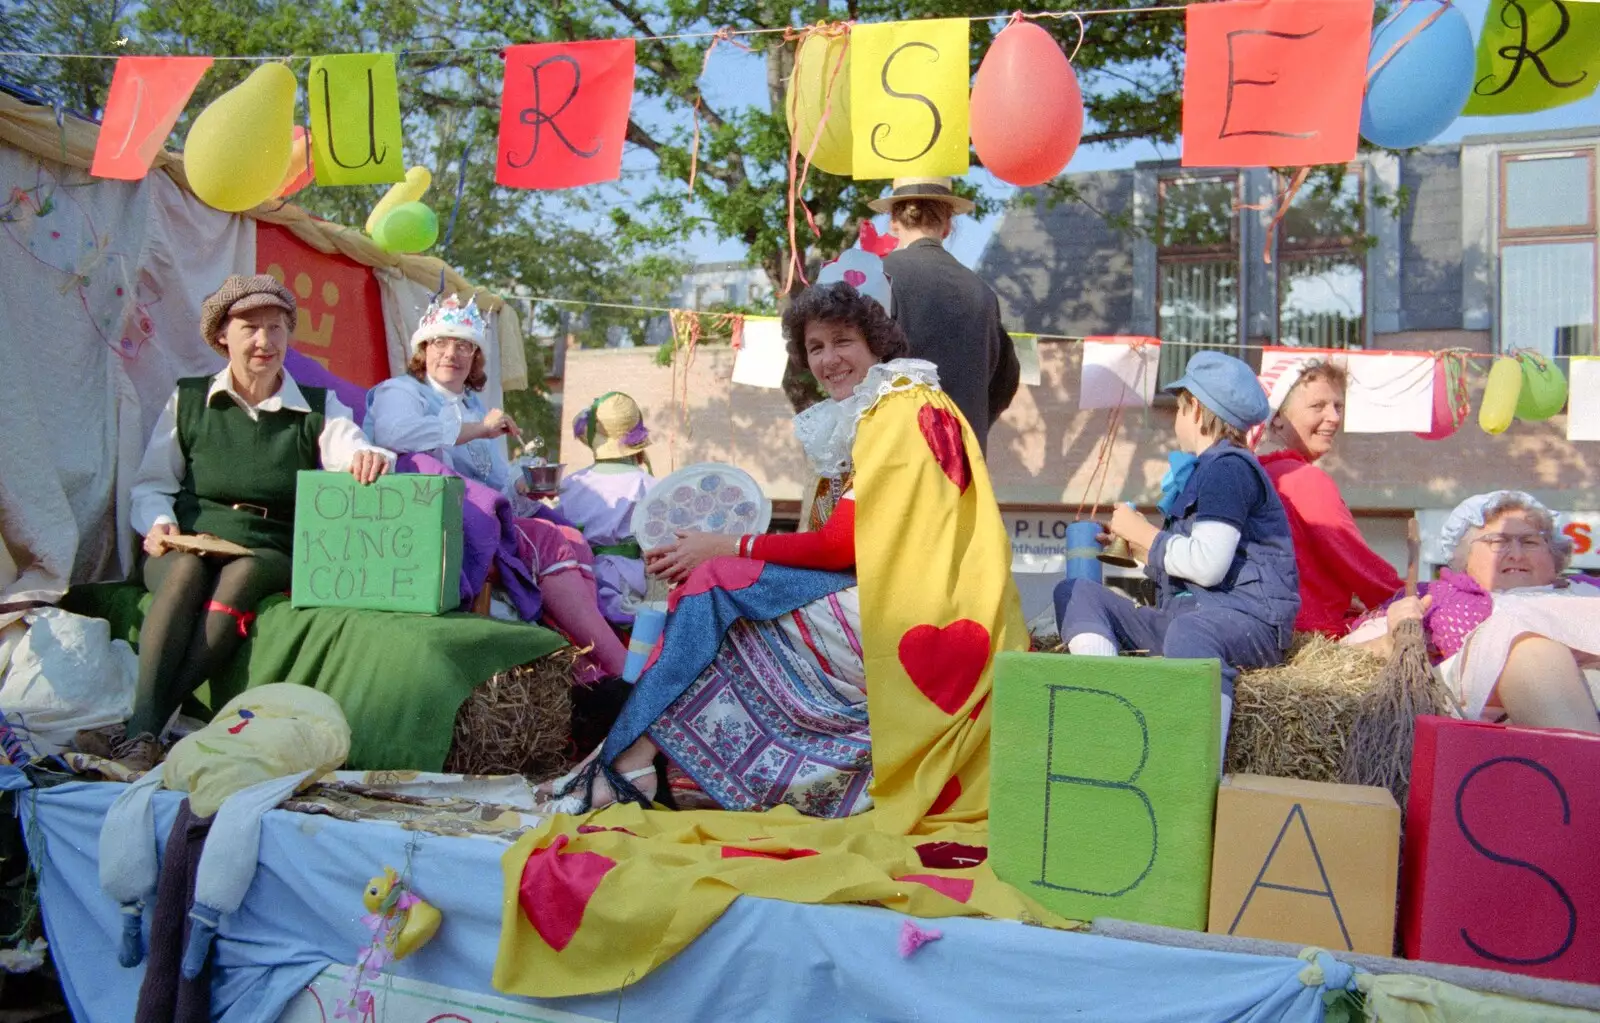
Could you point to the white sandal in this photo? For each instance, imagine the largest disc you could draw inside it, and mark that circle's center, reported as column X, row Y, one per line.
column 576, row 803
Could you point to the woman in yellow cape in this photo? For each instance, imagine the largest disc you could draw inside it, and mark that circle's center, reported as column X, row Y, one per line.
column 765, row 683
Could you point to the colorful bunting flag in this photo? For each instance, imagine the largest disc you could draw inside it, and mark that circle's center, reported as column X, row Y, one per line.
column 564, row 113
column 1027, row 346
column 1389, row 392
column 1534, row 55
column 1119, row 372
column 147, row 95
column 1275, row 83
column 908, row 99
column 1583, row 398
column 355, row 120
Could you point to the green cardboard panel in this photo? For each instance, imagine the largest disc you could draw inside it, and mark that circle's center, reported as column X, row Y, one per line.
column 1104, row 784
column 393, row 545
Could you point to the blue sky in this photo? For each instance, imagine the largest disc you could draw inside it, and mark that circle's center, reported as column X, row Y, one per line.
column 735, row 76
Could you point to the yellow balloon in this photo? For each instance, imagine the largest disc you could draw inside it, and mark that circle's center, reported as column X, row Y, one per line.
column 238, row 150
column 1500, row 395
column 412, row 189
column 808, row 97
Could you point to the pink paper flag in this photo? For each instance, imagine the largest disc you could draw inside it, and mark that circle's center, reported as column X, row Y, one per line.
column 147, row 95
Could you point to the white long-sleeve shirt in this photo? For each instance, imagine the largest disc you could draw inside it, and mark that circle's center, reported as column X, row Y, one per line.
column 1205, row 555
column 162, row 470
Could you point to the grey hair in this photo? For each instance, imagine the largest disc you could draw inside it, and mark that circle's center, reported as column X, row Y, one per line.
column 1560, row 543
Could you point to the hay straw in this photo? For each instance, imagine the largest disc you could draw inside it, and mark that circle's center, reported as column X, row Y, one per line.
column 1292, row 721
column 1379, row 750
column 518, row 722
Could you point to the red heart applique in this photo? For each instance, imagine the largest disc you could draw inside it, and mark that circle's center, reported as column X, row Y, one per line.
column 946, row 663
column 556, row 888
column 943, row 433
column 855, row 278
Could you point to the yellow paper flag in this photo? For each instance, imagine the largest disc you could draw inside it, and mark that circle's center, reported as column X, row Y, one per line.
column 908, row 98
column 355, row 119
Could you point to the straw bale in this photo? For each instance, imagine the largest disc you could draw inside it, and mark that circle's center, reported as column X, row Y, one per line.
column 1292, row 721
column 518, row 722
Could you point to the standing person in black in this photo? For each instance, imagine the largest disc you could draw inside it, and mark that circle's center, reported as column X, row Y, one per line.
column 948, row 314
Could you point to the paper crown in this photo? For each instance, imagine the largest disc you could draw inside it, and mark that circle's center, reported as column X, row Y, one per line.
column 862, row 268
column 449, row 318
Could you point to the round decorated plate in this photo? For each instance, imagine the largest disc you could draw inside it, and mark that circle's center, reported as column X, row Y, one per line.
column 708, row 497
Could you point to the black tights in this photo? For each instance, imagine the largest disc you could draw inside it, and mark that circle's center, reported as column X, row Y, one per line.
column 181, row 643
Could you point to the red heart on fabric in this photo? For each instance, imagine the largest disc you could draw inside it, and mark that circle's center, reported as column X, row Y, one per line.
column 958, row 888
column 942, row 431
column 946, row 663
column 556, row 888
column 855, row 278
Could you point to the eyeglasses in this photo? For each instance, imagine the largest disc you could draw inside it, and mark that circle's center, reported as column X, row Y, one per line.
column 448, row 344
column 1502, row 542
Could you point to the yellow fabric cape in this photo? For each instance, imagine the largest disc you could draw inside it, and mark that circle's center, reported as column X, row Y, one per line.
column 612, row 895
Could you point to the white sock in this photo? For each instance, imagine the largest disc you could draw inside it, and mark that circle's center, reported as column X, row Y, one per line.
column 1089, row 644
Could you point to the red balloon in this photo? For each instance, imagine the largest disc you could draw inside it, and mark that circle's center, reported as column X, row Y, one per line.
column 1445, row 421
column 1026, row 109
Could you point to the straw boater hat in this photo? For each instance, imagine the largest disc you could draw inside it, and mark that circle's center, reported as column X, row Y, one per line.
column 240, row 294
column 612, row 426
column 935, row 189
column 449, row 318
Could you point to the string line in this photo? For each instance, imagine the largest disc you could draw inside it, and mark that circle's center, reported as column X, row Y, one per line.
column 1098, row 339
column 723, row 33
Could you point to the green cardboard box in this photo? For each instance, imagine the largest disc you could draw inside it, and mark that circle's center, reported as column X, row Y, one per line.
column 393, row 545
column 1104, row 784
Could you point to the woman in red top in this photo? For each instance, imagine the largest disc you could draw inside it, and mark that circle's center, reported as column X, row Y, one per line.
column 1335, row 563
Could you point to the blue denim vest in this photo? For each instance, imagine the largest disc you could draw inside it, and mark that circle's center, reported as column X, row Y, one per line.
column 1262, row 582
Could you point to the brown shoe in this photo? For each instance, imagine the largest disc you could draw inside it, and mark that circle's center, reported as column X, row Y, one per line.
column 100, row 742
column 138, row 754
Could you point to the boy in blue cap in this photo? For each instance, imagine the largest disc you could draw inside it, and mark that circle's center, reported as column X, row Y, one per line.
column 1222, row 560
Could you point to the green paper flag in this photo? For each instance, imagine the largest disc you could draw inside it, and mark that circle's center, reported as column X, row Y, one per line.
column 355, row 119
column 1534, row 55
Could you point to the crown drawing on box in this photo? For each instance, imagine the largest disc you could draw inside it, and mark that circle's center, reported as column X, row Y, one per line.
column 449, row 318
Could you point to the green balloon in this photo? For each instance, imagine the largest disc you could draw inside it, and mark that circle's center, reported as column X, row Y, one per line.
column 409, row 227
column 1544, row 388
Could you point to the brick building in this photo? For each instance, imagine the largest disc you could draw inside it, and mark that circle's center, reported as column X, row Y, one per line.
column 1493, row 247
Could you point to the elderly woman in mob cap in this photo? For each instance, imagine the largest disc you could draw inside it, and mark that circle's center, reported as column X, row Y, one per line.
column 222, row 461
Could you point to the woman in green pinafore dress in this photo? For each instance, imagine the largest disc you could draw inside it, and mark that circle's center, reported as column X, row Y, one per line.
column 222, row 461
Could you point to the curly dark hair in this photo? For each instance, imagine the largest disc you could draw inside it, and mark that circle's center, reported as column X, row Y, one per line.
column 834, row 303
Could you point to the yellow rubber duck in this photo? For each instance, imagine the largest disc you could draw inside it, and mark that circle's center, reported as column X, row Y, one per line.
column 415, row 922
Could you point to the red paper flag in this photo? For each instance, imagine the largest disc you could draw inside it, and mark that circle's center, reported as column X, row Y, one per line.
column 1274, row 83
column 564, row 112
column 147, row 95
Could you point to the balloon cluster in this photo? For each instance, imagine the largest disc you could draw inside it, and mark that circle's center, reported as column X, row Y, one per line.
column 1523, row 385
column 401, row 222
column 245, row 149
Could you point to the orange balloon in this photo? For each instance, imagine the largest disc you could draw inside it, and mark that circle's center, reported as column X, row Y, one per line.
column 300, row 171
column 1027, row 108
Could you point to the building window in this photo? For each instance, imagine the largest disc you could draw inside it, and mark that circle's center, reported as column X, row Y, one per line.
column 1322, row 297
column 1547, row 252
column 1197, row 268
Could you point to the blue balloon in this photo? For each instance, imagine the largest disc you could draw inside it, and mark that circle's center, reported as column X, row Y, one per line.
column 1424, row 86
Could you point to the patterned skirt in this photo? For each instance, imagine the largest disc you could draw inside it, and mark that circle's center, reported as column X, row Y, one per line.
column 780, row 714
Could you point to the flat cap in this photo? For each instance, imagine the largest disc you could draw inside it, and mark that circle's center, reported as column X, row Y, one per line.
column 240, row 294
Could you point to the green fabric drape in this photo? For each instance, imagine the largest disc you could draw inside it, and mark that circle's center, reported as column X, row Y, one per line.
column 399, row 678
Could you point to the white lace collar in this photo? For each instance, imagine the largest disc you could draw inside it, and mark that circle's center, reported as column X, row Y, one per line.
column 827, row 430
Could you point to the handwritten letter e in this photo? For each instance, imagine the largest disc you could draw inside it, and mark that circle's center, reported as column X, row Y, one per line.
column 1274, row 83
column 564, row 113
column 147, row 95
